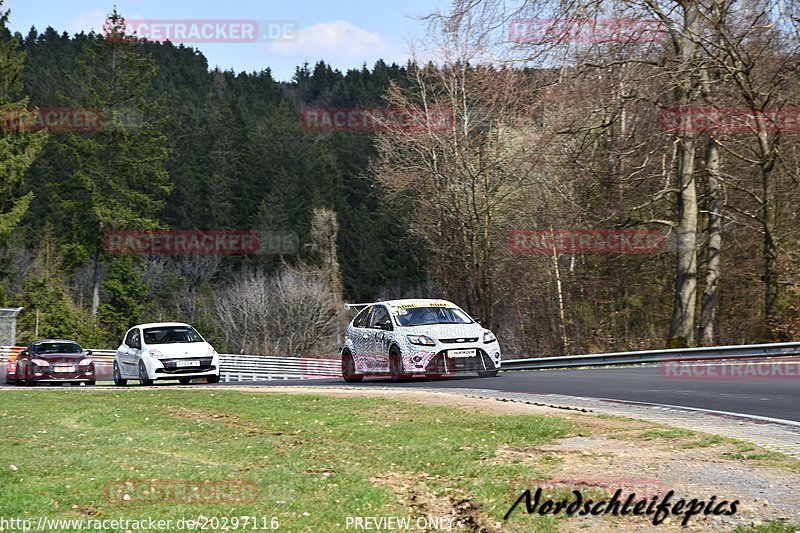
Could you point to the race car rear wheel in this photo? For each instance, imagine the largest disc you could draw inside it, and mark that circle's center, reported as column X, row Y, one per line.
column 118, row 381
column 349, row 368
column 396, row 366
column 488, row 373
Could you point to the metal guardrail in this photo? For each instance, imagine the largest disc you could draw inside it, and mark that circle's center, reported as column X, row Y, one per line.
column 656, row 356
column 233, row 367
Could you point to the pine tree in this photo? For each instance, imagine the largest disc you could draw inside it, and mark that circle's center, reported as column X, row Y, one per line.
column 121, row 180
column 18, row 146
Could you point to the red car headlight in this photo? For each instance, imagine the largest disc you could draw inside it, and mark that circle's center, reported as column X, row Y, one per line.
column 85, row 362
column 40, row 362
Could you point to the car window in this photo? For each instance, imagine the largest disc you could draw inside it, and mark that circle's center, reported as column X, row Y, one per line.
column 56, row 347
column 362, row 319
column 424, row 316
column 136, row 341
column 129, row 337
column 171, row 335
column 381, row 314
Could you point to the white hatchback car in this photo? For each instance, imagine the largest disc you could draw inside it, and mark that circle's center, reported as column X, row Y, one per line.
column 165, row 350
column 403, row 338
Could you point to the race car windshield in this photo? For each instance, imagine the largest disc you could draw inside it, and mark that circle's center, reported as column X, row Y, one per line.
column 426, row 316
column 171, row 335
column 56, row 347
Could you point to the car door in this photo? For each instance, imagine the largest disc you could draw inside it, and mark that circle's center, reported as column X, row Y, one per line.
column 128, row 353
column 381, row 337
column 361, row 340
column 22, row 363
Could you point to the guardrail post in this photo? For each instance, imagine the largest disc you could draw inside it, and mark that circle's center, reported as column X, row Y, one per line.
column 227, row 377
column 240, row 376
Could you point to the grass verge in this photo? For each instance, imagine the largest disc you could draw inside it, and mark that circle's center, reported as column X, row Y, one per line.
column 313, row 460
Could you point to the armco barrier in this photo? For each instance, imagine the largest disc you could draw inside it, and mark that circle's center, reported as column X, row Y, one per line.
column 260, row 367
column 743, row 351
column 233, row 367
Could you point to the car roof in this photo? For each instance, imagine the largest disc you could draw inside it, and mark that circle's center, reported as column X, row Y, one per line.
column 418, row 302
column 161, row 324
column 54, row 340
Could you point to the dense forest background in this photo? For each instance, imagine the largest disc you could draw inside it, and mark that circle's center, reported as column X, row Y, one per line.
column 378, row 214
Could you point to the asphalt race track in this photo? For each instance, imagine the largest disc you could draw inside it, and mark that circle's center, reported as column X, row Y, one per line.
column 773, row 398
column 776, row 398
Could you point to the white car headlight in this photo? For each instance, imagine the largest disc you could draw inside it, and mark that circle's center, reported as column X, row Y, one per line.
column 422, row 340
column 488, row 337
column 157, row 354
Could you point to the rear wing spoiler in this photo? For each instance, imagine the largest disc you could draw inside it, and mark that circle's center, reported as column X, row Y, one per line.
column 357, row 306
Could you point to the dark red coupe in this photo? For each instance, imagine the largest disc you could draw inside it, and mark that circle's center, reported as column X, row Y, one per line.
column 54, row 361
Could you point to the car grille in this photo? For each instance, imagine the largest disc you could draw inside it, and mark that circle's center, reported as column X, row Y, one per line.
column 459, row 340
column 171, row 366
column 441, row 364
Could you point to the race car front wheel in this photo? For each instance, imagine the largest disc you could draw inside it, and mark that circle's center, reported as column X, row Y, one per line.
column 396, row 367
column 144, row 379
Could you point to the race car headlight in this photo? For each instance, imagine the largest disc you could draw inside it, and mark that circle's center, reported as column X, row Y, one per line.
column 85, row 362
column 211, row 351
column 422, row 340
column 488, row 337
column 157, row 354
column 40, row 362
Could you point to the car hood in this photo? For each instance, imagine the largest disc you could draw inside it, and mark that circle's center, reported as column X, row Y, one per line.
column 60, row 356
column 182, row 349
column 447, row 331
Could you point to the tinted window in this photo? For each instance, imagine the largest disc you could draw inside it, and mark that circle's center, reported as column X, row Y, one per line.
column 129, row 337
column 362, row 319
column 56, row 347
column 380, row 315
column 171, row 335
column 423, row 316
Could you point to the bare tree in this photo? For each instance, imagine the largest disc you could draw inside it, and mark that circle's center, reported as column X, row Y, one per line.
column 291, row 312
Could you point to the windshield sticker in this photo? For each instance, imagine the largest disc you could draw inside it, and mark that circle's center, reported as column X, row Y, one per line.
column 431, row 304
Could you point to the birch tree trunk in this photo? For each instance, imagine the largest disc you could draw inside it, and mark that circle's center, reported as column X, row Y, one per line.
column 714, row 248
